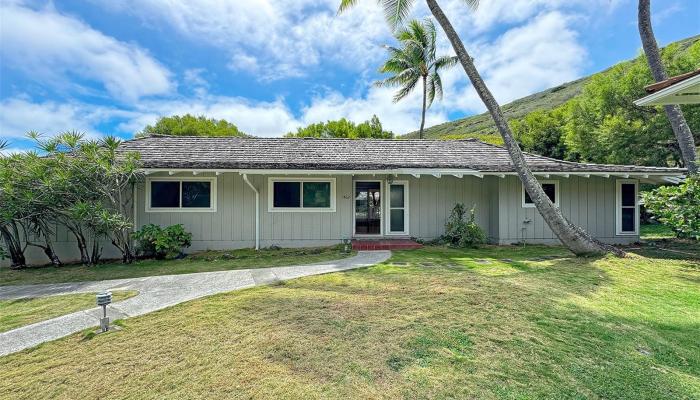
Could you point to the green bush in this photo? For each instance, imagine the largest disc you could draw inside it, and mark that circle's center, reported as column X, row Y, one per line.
column 463, row 232
column 678, row 207
column 154, row 241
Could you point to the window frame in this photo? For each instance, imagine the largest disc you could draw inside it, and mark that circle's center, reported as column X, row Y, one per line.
column 557, row 193
column 618, row 207
column 271, row 193
column 388, row 208
column 212, row 193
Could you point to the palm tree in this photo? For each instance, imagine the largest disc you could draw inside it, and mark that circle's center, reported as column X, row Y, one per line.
column 416, row 61
column 673, row 112
column 572, row 236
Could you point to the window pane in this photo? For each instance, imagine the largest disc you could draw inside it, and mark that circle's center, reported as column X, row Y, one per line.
column 549, row 189
column 317, row 194
column 627, row 194
column 396, row 196
column 165, row 194
column 286, row 194
column 196, row 194
column 397, row 220
column 628, row 221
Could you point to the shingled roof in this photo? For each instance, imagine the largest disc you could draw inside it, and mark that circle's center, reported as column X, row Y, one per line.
column 182, row 152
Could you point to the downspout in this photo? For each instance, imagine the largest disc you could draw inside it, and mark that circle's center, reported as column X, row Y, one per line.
column 257, row 211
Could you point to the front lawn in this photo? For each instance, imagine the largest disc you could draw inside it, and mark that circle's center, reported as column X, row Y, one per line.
column 199, row 262
column 20, row 312
column 500, row 322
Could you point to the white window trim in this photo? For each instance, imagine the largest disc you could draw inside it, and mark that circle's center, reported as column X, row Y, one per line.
column 556, row 194
column 388, row 207
column 301, row 208
column 382, row 203
column 213, row 197
column 618, row 207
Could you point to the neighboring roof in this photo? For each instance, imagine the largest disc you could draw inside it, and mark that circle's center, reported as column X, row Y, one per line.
column 182, row 152
column 655, row 87
column 681, row 89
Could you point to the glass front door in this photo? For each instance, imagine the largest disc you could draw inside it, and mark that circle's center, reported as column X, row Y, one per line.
column 368, row 208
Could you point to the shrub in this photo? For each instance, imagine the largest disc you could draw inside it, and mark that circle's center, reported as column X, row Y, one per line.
column 463, row 232
column 154, row 241
column 678, row 207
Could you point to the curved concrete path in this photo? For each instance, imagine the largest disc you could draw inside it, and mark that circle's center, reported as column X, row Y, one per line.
column 155, row 293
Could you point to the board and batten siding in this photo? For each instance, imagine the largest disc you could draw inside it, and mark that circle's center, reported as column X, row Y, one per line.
column 587, row 202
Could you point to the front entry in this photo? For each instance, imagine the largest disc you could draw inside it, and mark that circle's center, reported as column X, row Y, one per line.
column 368, row 208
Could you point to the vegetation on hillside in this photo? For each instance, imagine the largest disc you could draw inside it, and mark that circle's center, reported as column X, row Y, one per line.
column 344, row 128
column 189, row 125
column 594, row 119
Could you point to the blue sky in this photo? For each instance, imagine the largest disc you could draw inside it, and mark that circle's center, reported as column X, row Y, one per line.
column 269, row 66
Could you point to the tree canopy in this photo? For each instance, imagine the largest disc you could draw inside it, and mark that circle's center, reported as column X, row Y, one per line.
column 603, row 125
column 343, row 128
column 189, row 125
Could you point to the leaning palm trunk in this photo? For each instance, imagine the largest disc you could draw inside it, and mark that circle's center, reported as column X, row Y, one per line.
column 572, row 236
column 673, row 112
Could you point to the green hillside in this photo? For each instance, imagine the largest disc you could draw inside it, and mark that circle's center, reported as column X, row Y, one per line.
column 481, row 126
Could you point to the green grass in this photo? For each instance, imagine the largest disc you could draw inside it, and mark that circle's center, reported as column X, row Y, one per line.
column 21, row 312
column 494, row 323
column 199, row 262
column 655, row 232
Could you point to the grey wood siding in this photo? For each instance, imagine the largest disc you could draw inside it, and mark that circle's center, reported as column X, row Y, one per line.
column 587, row 202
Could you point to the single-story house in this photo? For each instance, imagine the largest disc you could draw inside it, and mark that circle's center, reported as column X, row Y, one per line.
column 246, row 192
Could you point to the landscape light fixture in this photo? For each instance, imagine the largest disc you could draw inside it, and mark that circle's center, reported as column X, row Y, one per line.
column 103, row 299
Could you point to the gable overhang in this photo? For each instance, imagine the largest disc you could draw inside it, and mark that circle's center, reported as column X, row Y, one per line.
column 646, row 177
column 683, row 92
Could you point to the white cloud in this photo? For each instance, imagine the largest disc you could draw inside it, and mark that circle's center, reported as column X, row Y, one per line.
column 274, row 39
column 55, row 49
column 19, row 115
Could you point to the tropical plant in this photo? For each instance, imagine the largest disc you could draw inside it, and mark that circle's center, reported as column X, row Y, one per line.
column 158, row 242
column 415, row 61
column 189, row 125
column 673, row 112
column 572, row 236
column 677, row 207
column 463, row 232
column 81, row 184
column 343, row 128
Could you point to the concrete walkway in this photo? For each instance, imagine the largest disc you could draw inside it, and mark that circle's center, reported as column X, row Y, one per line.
column 155, row 293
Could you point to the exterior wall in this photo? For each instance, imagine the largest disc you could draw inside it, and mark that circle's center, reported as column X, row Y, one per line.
column 587, row 202
column 233, row 224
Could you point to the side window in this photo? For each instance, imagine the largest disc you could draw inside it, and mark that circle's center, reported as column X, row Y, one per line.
column 627, row 211
column 551, row 189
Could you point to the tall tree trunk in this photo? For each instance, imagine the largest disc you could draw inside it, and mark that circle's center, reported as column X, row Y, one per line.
column 686, row 142
column 572, row 236
column 422, row 118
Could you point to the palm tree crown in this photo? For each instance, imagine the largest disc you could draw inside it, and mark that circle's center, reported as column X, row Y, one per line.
column 416, row 61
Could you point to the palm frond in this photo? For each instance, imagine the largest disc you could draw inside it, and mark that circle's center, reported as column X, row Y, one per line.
column 405, row 91
column 445, row 62
column 436, row 83
column 473, row 4
column 345, row 4
column 405, row 78
column 396, row 11
column 430, row 92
